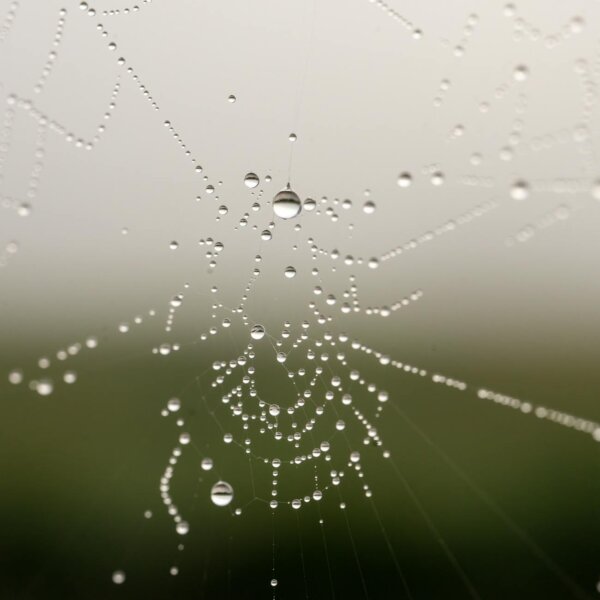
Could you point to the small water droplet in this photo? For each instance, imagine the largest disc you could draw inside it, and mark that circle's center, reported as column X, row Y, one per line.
column 118, row 577
column 519, row 190
column 404, row 180
column 182, row 527
column 221, row 493
column 251, row 180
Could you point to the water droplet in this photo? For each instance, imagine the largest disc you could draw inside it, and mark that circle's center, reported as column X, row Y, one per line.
column 44, row 387
column 176, row 301
column 286, row 204
column 231, row 98
column 266, row 235
column 404, row 180
column 15, row 376
column 437, row 178
column 521, row 73
column 251, row 180
column 292, row 137
column 221, row 493
column 274, row 410
column 182, row 528
column 309, row 204
column 369, row 207
column 519, row 190
column 206, row 464
column 290, row 272
column 174, row 404
column 174, row 245
column 70, row 377
column 355, row 457
column 118, row 577
column 257, row 332
column 274, row 582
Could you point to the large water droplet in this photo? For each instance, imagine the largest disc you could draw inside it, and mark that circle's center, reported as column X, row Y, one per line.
column 286, row 204
column 257, row 332
column 251, row 180
column 221, row 493
column 290, row 272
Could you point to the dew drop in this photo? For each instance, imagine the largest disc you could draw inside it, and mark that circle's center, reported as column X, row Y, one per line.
column 15, row 376
column 173, row 405
column 404, row 180
column 257, row 332
column 118, row 577
column 182, row 528
column 251, row 180
column 369, row 207
column 231, row 98
column 290, row 272
column 286, row 204
column 221, row 493
column 521, row 73
column 519, row 190
column 44, row 387
column 206, row 464
column 437, row 178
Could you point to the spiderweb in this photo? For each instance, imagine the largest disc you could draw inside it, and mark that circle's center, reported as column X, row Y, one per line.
column 318, row 260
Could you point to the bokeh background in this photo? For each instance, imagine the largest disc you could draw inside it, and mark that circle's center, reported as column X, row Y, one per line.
column 510, row 300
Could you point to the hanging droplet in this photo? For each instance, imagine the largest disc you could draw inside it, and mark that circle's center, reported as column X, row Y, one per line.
column 266, row 235
column 286, row 204
column 257, row 332
column 251, row 180
column 221, row 493
column 206, row 464
column 231, row 98
column 274, row 410
column 290, row 272
column 355, row 457
column 292, row 137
